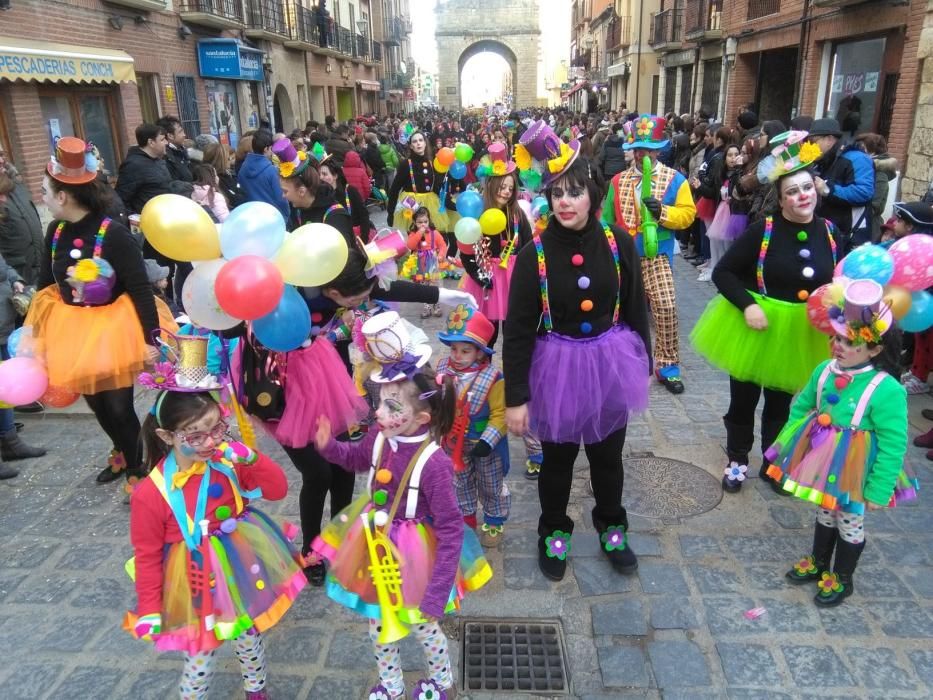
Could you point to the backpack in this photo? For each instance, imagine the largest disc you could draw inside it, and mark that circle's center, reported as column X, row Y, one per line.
column 263, row 375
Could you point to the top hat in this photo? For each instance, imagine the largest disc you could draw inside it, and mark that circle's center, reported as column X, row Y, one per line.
column 187, row 369
column 292, row 162
column 863, row 317
column 386, row 244
column 73, row 163
column 792, row 154
column 540, row 141
column 649, row 133
column 390, row 344
column 500, row 163
column 628, row 133
column 467, row 325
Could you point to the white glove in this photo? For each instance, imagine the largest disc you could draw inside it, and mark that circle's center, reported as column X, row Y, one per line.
column 453, row 297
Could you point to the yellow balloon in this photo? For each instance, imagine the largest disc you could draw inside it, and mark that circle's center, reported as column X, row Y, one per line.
column 492, row 222
column 312, row 255
column 179, row 228
column 440, row 167
column 898, row 299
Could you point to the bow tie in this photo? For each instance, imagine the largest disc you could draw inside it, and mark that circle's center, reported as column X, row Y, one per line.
column 179, row 479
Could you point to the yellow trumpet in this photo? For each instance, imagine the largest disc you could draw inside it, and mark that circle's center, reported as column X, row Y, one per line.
column 507, row 253
column 387, row 580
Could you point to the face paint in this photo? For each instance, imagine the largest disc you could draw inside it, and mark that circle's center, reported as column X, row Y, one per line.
column 396, row 414
column 187, row 450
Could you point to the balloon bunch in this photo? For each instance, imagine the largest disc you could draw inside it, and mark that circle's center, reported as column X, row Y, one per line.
column 453, row 160
column 905, row 270
column 248, row 268
column 24, row 379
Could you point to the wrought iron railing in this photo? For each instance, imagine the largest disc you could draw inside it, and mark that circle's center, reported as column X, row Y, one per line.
column 763, row 8
column 229, row 9
column 267, row 15
column 701, row 16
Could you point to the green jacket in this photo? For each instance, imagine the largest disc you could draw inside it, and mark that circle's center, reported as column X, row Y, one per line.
column 389, row 156
column 886, row 417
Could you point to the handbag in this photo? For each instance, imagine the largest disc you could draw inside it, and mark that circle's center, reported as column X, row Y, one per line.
column 263, row 374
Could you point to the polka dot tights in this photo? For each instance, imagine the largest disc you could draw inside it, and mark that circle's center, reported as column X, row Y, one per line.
column 199, row 668
column 434, row 645
column 851, row 526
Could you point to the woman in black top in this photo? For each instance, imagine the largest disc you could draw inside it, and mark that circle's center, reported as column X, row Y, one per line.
column 314, row 202
column 416, row 178
column 348, row 196
column 575, row 359
column 95, row 315
column 756, row 329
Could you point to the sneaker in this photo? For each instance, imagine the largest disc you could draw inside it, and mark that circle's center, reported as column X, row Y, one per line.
column 703, row 265
column 705, row 276
column 34, row 407
column 426, row 311
column 437, row 310
column 670, row 377
column 532, row 470
column 913, row 385
column 490, row 536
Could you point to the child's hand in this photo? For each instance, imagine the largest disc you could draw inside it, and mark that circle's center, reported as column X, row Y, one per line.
column 237, row 452
column 147, row 626
column 323, row 434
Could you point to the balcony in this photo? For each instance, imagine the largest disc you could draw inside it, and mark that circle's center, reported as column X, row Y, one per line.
column 377, row 52
column 394, row 31
column 217, row 14
column 703, row 20
column 762, row 8
column 397, row 81
column 666, row 29
column 265, row 19
column 836, row 3
column 618, row 36
column 582, row 59
column 151, row 5
column 304, row 33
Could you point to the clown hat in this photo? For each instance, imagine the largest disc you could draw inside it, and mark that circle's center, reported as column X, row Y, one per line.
column 500, row 163
column 648, row 132
column 73, row 163
column 628, row 133
column 187, row 370
column 546, row 147
column 292, row 162
column 467, row 325
column 863, row 317
column 793, row 154
column 391, row 345
column 386, row 244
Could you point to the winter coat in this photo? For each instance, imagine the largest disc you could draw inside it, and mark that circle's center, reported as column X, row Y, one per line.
column 681, row 142
column 389, row 156
column 211, row 198
column 697, row 158
column 8, row 275
column 338, row 147
column 259, row 180
column 885, row 171
column 373, row 158
column 142, row 177
column 21, row 236
column 355, row 174
column 179, row 164
column 712, row 178
column 850, row 176
column 613, row 158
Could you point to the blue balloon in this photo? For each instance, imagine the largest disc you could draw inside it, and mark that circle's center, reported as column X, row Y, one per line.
column 288, row 325
column 458, row 170
column 12, row 343
column 469, row 204
column 920, row 315
column 871, row 262
column 539, row 205
column 253, row 228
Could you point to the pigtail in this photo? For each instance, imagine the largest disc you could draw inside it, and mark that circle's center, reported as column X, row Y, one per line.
column 438, row 396
column 155, row 448
column 889, row 359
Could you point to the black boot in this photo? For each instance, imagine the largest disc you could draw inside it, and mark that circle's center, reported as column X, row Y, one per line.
column 552, row 554
column 835, row 587
column 811, row 567
column 12, row 447
column 7, row 472
column 769, row 433
column 613, row 540
column 739, row 441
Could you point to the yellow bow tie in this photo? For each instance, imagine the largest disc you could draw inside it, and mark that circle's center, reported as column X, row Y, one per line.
column 179, row 479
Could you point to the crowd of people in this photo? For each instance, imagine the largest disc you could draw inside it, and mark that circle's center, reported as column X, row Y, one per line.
column 584, row 219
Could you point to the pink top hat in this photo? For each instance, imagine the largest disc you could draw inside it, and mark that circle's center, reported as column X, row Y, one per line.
column 863, row 317
column 499, row 157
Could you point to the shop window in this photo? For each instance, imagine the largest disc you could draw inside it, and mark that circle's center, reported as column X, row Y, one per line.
column 670, row 89
column 188, row 105
column 223, row 111
column 855, row 84
column 85, row 114
column 147, row 86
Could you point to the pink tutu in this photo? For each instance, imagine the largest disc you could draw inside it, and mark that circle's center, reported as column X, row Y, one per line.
column 726, row 226
column 493, row 303
column 316, row 384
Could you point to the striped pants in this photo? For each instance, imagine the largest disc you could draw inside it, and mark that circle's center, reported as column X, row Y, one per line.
column 659, row 288
column 484, row 480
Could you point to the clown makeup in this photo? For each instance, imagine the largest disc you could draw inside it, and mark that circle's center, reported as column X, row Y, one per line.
column 462, row 355
column 418, row 144
column 397, row 414
column 571, row 204
column 849, row 355
column 798, row 197
column 197, row 440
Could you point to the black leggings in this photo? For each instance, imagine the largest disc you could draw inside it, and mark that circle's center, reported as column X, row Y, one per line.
column 556, row 478
column 743, row 399
column 116, row 414
column 318, row 476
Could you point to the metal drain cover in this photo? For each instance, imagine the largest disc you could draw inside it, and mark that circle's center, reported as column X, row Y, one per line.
column 656, row 487
column 508, row 656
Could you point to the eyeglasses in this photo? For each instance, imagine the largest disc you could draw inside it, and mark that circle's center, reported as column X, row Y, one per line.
column 199, row 438
column 573, row 192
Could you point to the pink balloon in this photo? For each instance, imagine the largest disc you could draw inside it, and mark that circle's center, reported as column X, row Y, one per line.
column 22, row 380
column 913, row 262
column 249, row 287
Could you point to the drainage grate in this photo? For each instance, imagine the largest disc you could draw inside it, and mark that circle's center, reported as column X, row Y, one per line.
column 513, row 655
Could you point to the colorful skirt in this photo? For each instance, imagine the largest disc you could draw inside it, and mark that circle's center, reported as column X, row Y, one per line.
column 256, row 575
column 782, row 357
column 827, row 465
column 88, row 349
column 413, row 545
column 493, row 303
column 316, row 384
column 422, row 266
column 583, row 389
column 727, row 226
column 431, row 202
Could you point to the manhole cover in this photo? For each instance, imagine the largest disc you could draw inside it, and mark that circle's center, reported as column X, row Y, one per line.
column 668, row 488
column 513, row 655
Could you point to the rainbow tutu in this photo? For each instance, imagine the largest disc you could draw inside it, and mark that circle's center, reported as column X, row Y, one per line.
column 343, row 543
column 256, row 575
column 826, row 465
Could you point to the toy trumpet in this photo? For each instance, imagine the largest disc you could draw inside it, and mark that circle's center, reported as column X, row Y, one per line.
column 649, row 227
column 387, row 581
column 507, row 253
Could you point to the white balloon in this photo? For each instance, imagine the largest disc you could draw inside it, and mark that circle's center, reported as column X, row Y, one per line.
column 200, row 301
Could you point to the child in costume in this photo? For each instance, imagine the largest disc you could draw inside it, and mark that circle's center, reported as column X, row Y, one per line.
column 477, row 443
column 208, row 566
column 428, row 250
column 844, row 445
column 399, row 554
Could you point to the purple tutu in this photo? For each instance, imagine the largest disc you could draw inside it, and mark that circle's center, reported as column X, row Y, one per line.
column 726, row 226
column 583, row 389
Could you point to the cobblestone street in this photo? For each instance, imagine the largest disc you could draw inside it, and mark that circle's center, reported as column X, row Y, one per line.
column 676, row 629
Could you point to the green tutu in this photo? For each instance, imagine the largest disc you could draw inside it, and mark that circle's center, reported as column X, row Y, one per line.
column 782, row 357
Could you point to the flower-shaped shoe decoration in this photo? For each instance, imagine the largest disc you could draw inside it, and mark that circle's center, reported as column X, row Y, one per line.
column 828, row 584
column 558, row 544
column 735, row 471
column 614, row 538
column 428, row 690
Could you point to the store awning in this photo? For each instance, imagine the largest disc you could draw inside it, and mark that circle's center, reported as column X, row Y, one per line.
column 575, row 88
column 372, row 85
column 21, row 59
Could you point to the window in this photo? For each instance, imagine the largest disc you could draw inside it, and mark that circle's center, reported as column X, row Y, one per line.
column 87, row 114
column 147, row 86
column 187, row 104
column 712, row 76
column 855, row 81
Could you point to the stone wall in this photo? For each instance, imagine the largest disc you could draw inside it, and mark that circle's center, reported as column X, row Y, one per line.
column 919, row 171
column 509, row 27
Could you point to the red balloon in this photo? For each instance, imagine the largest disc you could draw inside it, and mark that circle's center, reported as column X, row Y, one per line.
column 446, row 156
column 249, row 287
column 58, row 397
column 818, row 310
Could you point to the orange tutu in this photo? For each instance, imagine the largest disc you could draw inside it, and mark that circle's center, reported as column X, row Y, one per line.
column 88, row 349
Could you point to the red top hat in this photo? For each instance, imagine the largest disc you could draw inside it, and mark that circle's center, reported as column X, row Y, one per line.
column 72, row 163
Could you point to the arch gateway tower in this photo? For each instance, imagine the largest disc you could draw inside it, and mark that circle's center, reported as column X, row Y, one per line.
column 507, row 27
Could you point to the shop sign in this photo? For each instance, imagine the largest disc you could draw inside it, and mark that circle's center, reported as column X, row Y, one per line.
column 225, row 58
column 22, row 59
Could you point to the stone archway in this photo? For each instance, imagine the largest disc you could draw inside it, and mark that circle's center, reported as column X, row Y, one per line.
column 506, row 27
column 282, row 105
